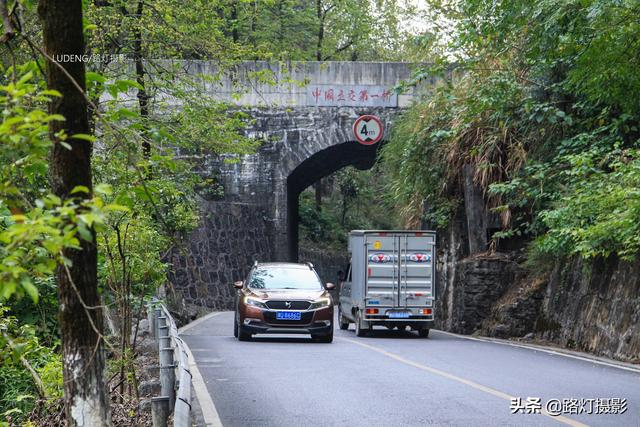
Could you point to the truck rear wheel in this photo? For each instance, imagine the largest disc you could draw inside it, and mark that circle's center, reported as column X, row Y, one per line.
column 342, row 321
column 360, row 332
column 424, row 333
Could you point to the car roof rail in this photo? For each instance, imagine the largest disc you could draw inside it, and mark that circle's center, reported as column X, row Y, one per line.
column 255, row 263
column 309, row 264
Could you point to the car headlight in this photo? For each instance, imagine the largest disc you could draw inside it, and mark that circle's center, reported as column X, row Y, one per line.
column 254, row 302
column 322, row 302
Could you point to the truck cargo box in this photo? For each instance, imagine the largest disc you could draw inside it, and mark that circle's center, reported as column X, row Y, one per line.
column 390, row 280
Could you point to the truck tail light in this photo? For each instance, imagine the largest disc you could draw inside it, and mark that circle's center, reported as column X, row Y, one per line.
column 372, row 311
column 427, row 311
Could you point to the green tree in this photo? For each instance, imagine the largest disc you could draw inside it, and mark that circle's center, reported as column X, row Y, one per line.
column 70, row 177
column 553, row 146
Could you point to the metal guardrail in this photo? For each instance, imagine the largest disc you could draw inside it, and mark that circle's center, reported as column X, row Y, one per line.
column 175, row 377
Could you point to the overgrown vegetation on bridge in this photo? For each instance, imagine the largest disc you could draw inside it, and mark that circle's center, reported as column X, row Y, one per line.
column 545, row 107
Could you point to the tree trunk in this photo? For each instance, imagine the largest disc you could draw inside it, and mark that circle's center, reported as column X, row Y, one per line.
column 318, row 189
column 254, row 25
column 320, row 15
column 143, row 97
column 234, row 18
column 475, row 209
column 80, row 320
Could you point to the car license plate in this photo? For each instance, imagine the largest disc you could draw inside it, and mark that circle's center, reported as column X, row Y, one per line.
column 399, row 314
column 288, row 315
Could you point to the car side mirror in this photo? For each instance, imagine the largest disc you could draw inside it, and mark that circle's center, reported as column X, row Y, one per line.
column 330, row 286
column 239, row 284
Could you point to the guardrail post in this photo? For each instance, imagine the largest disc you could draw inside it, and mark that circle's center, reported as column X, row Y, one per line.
column 167, row 376
column 160, row 411
column 163, row 332
column 153, row 320
column 164, row 342
column 175, row 378
column 159, row 322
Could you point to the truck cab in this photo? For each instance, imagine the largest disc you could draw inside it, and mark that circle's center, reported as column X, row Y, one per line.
column 390, row 281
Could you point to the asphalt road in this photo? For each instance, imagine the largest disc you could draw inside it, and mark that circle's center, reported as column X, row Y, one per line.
column 395, row 379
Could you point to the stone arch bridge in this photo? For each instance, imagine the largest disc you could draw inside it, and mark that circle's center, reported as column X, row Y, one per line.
column 305, row 121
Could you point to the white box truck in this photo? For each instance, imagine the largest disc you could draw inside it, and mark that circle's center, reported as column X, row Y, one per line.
column 390, row 281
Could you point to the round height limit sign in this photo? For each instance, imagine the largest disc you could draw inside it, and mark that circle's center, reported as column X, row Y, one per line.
column 368, row 130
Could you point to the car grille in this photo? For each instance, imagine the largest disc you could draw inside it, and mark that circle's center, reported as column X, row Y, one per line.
column 281, row 305
column 270, row 317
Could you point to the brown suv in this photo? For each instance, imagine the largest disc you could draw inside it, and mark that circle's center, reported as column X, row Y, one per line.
column 283, row 298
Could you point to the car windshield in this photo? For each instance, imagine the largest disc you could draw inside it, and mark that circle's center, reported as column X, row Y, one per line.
column 284, row 278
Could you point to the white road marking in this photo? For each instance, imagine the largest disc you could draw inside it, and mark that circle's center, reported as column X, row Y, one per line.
column 461, row 380
column 545, row 350
column 209, row 411
column 198, row 321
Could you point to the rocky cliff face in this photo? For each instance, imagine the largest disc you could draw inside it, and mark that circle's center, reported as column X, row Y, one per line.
column 594, row 306
column 589, row 306
column 478, row 282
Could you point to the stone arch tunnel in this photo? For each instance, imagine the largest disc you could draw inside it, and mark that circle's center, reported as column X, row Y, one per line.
column 306, row 133
column 319, row 165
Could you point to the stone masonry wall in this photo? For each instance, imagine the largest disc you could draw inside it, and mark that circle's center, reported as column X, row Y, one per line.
column 594, row 306
column 327, row 263
column 591, row 306
column 221, row 250
column 477, row 282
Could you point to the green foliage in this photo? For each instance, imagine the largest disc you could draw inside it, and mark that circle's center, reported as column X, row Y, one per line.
column 35, row 226
column 414, row 165
column 229, row 30
column 350, row 202
column 544, row 108
column 601, row 214
column 43, row 316
column 19, row 345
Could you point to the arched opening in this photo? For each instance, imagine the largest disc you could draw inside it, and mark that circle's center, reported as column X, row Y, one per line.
column 318, row 166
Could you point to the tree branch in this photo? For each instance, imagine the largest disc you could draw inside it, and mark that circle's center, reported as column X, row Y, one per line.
column 7, row 23
column 340, row 49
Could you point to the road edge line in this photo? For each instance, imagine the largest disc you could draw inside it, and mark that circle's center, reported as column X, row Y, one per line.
column 549, row 350
column 198, row 321
column 208, row 408
column 473, row 384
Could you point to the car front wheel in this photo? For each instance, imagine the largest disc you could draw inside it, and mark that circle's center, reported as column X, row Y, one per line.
column 323, row 338
column 242, row 335
column 235, row 325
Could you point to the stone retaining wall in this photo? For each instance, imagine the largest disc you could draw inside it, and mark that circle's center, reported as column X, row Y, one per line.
column 230, row 237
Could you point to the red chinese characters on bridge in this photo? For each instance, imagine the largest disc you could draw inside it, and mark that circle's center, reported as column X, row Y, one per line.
column 338, row 95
